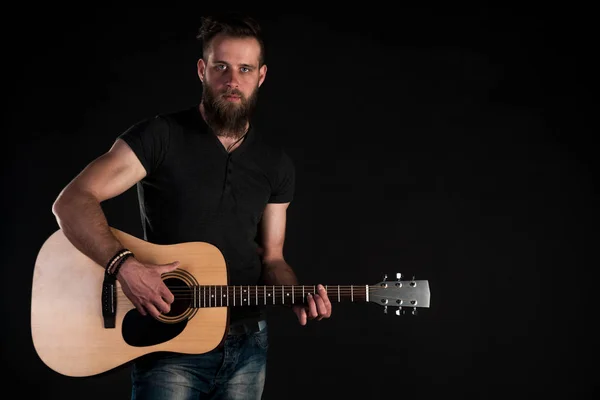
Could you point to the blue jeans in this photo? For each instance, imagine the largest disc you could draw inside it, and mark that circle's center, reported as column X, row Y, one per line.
column 234, row 371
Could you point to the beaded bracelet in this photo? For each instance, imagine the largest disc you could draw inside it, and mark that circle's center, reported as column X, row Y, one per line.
column 117, row 260
column 115, row 270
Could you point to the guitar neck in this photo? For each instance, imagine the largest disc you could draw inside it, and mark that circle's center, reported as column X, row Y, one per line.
column 238, row 296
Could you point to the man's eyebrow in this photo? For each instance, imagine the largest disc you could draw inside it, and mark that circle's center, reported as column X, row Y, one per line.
column 226, row 63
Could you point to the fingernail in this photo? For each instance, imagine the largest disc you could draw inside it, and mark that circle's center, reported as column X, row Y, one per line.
column 321, row 287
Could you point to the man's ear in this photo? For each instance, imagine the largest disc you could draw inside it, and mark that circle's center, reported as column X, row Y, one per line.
column 201, row 69
column 262, row 74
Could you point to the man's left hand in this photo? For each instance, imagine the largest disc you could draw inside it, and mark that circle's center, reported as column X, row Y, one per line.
column 318, row 307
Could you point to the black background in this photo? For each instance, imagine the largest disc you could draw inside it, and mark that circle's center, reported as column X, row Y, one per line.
column 450, row 144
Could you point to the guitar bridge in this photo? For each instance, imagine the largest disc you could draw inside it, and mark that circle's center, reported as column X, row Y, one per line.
column 109, row 300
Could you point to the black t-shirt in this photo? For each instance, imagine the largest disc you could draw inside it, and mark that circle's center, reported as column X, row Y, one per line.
column 195, row 190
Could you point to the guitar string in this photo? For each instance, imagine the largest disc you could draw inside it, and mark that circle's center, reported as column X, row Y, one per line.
column 359, row 295
column 276, row 288
column 262, row 293
column 271, row 288
column 188, row 296
column 269, row 291
column 237, row 291
column 262, row 290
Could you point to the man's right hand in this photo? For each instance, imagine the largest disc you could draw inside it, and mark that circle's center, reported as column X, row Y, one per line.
column 143, row 285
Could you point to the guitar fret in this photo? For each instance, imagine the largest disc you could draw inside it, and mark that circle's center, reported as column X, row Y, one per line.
column 208, row 295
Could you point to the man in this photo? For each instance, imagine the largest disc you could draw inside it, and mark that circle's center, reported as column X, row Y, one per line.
column 203, row 174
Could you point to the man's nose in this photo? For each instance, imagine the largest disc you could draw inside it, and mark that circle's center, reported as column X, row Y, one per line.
column 232, row 79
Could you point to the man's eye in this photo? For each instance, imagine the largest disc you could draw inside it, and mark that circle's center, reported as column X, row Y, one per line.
column 245, row 69
column 221, row 67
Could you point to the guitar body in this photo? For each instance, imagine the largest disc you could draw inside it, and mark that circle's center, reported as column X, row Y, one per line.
column 67, row 324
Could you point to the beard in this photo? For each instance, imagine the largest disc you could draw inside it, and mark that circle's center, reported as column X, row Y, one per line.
column 228, row 119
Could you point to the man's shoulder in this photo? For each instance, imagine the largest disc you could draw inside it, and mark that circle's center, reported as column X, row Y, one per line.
column 180, row 117
column 271, row 150
column 161, row 124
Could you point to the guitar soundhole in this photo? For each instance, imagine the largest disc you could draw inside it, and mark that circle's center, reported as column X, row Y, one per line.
column 139, row 330
column 142, row 331
column 183, row 297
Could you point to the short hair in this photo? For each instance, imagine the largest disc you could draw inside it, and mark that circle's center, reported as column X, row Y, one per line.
column 234, row 25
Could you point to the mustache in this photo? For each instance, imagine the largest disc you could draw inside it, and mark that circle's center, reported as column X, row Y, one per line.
column 232, row 92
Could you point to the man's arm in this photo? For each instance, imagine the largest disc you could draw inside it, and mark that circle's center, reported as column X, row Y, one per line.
column 77, row 208
column 276, row 269
column 80, row 216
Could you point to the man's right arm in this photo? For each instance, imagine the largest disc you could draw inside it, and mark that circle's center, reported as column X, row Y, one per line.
column 77, row 208
column 80, row 216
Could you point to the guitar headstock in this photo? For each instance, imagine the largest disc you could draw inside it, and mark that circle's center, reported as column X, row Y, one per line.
column 400, row 293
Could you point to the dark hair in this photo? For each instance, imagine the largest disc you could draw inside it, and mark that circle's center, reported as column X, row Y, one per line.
column 233, row 25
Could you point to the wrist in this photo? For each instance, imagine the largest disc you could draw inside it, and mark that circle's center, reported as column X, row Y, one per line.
column 124, row 265
column 116, row 262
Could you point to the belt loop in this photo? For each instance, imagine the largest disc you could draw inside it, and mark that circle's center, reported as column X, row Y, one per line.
column 262, row 324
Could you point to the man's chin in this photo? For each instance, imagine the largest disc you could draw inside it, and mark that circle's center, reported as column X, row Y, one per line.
column 230, row 106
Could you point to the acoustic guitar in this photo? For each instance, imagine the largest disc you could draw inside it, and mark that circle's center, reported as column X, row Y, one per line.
column 84, row 325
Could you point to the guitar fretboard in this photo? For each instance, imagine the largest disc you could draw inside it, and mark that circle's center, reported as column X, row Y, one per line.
column 234, row 296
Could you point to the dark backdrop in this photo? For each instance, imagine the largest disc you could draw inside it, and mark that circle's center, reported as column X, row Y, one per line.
column 449, row 144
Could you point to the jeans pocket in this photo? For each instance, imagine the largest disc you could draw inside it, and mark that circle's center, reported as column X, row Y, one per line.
column 261, row 338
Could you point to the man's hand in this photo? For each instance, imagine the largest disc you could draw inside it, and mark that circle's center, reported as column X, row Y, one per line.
column 143, row 285
column 318, row 307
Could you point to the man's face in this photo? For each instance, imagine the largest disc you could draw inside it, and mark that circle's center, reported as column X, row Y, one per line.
column 231, row 77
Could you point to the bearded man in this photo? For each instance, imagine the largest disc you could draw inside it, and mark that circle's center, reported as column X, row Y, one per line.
column 203, row 174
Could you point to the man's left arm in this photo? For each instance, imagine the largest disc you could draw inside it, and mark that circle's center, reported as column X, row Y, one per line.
column 277, row 271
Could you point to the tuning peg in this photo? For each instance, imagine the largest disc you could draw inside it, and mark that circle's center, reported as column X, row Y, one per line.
column 399, row 311
column 414, row 311
column 385, row 309
column 398, row 276
column 384, row 277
